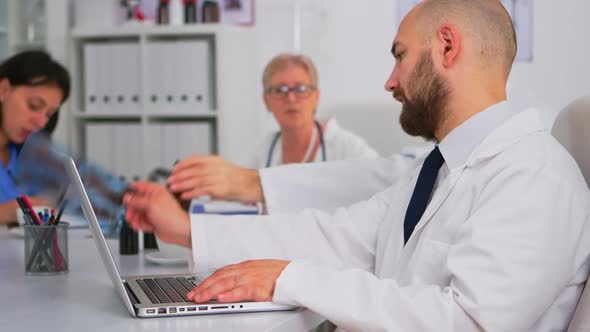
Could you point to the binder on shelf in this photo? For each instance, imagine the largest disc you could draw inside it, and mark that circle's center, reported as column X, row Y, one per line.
column 178, row 76
column 90, row 77
column 127, row 150
column 153, row 158
column 185, row 139
column 98, row 144
column 195, row 75
column 124, row 77
column 194, row 138
column 155, row 81
column 114, row 56
column 163, row 151
column 177, row 140
column 169, row 138
column 130, row 76
column 111, row 77
column 134, row 90
column 116, row 147
column 103, row 93
column 171, row 75
column 183, row 59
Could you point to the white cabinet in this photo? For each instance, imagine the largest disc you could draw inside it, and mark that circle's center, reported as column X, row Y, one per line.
column 145, row 96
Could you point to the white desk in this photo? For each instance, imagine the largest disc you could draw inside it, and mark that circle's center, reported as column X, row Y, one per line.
column 84, row 299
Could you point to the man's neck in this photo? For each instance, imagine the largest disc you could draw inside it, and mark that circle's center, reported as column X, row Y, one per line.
column 463, row 107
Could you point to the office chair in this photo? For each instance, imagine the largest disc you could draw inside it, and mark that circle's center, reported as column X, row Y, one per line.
column 572, row 130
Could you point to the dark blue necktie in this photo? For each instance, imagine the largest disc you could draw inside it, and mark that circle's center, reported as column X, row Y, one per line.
column 422, row 191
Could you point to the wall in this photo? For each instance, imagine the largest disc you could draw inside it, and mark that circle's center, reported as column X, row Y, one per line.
column 350, row 42
column 57, row 42
column 560, row 70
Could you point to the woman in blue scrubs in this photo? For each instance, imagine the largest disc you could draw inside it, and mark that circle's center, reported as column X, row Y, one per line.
column 32, row 88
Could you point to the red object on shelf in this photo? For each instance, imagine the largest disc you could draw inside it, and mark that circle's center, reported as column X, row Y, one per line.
column 138, row 14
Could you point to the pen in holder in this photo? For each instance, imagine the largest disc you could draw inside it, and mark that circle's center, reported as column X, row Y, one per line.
column 46, row 248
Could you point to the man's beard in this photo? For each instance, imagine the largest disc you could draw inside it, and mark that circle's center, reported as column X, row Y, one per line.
column 423, row 113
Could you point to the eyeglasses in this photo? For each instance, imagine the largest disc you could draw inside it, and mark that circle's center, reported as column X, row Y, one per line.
column 301, row 91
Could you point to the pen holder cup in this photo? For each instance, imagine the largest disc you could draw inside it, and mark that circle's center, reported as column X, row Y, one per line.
column 46, row 249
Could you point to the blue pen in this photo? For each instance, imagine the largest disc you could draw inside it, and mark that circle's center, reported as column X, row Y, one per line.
column 46, row 216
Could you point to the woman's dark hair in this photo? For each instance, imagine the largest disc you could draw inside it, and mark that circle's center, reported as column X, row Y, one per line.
column 36, row 68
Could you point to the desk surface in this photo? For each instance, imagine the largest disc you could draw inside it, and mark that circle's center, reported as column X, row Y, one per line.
column 84, row 299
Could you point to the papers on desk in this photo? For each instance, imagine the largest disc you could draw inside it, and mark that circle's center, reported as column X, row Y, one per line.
column 222, row 207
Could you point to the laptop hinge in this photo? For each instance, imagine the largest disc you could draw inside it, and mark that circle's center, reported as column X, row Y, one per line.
column 132, row 296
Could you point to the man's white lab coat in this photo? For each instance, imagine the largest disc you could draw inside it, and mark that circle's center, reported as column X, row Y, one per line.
column 352, row 174
column 329, row 185
column 502, row 246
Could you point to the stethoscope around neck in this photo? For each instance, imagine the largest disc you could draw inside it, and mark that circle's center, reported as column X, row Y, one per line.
column 278, row 135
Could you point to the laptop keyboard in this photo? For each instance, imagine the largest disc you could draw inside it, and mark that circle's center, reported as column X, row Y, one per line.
column 167, row 290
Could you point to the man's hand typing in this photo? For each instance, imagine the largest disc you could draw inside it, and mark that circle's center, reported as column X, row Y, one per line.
column 249, row 280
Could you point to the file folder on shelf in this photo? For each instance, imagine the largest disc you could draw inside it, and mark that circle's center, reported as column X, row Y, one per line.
column 116, row 147
column 172, row 141
column 178, row 76
column 112, row 77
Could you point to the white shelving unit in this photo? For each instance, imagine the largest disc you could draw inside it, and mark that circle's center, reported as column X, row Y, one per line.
column 22, row 26
column 155, row 127
column 4, row 30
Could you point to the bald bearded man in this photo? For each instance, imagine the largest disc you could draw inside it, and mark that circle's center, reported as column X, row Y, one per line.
column 488, row 233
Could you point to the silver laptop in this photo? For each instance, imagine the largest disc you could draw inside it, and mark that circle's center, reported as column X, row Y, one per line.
column 161, row 295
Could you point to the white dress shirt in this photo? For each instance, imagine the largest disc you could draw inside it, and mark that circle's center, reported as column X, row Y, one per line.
column 502, row 246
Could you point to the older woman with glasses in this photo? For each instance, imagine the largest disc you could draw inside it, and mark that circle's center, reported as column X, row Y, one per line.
column 291, row 94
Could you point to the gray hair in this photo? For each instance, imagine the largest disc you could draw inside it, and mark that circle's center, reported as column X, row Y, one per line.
column 285, row 61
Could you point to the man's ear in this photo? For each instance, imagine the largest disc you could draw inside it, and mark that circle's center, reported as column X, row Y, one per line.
column 451, row 44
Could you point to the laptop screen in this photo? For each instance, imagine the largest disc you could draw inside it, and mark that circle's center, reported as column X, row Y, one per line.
column 97, row 234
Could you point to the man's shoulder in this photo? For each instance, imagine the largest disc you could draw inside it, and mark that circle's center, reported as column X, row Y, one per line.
column 537, row 156
column 522, row 143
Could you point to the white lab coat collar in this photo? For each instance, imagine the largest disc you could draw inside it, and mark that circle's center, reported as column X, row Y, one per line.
column 459, row 144
column 523, row 124
column 506, row 130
